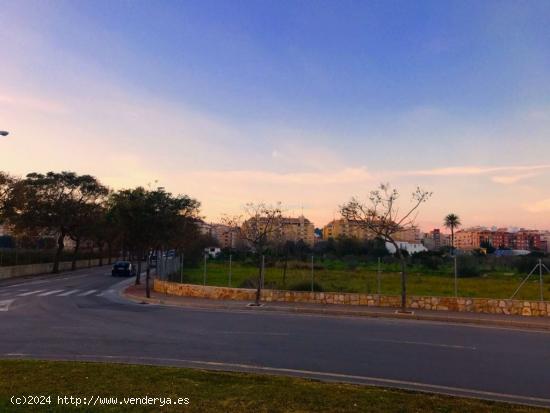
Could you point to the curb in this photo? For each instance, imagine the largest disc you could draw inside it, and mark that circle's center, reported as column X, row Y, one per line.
column 347, row 313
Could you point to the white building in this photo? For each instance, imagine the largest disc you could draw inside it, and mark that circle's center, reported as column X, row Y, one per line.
column 411, row 248
column 212, row 252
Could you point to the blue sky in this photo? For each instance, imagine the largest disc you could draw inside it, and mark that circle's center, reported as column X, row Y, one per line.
column 306, row 102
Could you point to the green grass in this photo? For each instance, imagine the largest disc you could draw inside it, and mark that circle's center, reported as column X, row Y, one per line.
column 213, row 391
column 364, row 280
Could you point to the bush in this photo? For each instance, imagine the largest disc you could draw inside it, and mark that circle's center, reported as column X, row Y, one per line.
column 468, row 266
column 351, row 262
column 306, row 286
column 427, row 259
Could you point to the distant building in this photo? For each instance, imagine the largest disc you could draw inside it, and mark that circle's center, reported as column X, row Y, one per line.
column 501, row 238
column 289, row 229
column 346, row 229
column 435, row 240
column 226, row 236
column 411, row 235
column 296, row 229
column 355, row 229
column 212, row 252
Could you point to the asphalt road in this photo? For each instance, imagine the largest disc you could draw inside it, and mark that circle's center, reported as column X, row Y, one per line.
column 80, row 316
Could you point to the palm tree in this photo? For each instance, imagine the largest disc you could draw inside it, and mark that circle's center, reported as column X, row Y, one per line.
column 452, row 221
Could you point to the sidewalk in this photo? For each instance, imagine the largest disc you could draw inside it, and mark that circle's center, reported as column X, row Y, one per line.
column 137, row 294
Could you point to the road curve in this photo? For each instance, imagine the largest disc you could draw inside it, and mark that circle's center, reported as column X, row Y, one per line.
column 80, row 316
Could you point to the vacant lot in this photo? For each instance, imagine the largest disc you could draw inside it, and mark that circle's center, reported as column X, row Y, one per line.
column 211, row 391
column 365, row 279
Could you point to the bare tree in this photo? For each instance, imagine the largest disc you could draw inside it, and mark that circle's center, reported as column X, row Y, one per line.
column 259, row 226
column 381, row 216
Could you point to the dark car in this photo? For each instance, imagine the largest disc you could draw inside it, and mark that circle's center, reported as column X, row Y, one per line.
column 123, row 268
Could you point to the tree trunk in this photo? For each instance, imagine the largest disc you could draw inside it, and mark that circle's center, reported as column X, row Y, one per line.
column 100, row 247
column 147, row 278
column 58, row 252
column 259, row 287
column 403, row 260
column 139, row 265
column 452, row 241
column 138, row 275
column 110, row 252
column 75, row 252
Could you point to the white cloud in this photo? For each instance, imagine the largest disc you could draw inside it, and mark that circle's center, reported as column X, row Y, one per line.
column 512, row 179
column 473, row 170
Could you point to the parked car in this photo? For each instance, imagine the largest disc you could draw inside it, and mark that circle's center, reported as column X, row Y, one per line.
column 123, row 268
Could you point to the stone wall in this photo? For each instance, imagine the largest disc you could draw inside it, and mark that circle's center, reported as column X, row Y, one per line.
column 35, row 269
column 477, row 305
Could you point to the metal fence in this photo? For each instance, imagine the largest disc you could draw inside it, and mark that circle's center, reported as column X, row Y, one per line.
column 456, row 276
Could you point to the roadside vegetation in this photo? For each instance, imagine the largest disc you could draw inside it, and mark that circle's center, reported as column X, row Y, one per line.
column 335, row 269
column 364, row 279
column 210, row 391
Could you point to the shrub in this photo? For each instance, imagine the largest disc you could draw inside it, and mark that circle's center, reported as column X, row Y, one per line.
column 468, row 266
column 351, row 262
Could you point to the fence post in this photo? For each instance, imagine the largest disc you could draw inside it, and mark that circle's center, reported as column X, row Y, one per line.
column 181, row 268
column 378, row 278
column 540, row 281
column 204, row 271
column 312, row 275
column 230, row 262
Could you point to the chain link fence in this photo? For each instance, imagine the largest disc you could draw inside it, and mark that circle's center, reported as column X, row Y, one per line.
column 461, row 276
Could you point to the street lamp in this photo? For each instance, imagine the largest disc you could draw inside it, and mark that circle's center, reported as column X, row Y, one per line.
column 4, row 133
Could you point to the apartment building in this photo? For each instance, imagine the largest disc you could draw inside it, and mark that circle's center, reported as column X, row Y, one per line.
column 468, row 239
column 524, row 239
column 435, row 240
column 346, row 229
column 289, row 229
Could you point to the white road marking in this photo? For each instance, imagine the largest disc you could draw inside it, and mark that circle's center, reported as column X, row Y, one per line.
column 50, row 293
column 30, row 293
column 421, row 343
column 68, row 293
column 5, row 305
column 254, row 333
column 106, row 292
column 87, row 293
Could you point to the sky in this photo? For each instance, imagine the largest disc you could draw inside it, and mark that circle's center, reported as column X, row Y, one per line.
column 304, row 102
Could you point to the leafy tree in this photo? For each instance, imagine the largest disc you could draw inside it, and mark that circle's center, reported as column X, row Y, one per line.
column 8, row 192
column 452, row 221
column 151, row 220
column 381, row 216
column 53, row 203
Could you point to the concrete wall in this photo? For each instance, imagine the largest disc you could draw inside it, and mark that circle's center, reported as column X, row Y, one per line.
column 34, row 269
column 477, row 305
